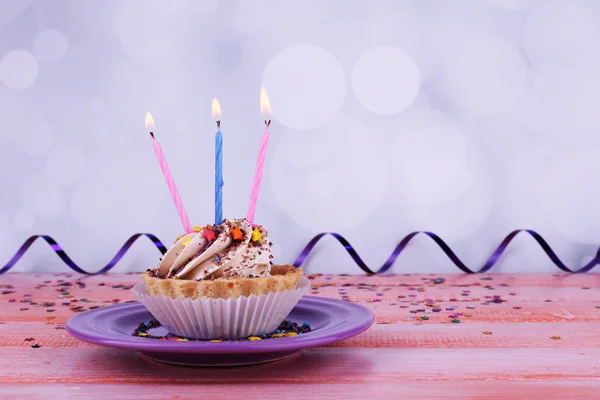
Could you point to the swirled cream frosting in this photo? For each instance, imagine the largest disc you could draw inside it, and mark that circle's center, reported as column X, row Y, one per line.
column 233, row 249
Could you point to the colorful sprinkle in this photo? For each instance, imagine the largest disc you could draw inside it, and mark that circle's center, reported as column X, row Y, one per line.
column 186, row 241
column 209, row 235
column 286, row 329
column 236, row 233
column 256, row 235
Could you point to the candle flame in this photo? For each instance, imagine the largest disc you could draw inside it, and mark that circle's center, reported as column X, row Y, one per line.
column 149, row 121
column 216, row 109
column 265, row 106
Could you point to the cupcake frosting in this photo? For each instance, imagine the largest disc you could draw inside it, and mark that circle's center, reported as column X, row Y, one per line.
column 233, row 249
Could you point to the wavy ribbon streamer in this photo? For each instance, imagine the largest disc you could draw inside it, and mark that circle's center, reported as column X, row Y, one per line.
column 70, row 263
column 447, row 250
column 494, row 258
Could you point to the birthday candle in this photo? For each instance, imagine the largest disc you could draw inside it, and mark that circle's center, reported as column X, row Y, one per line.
column 216, row 112
column 265, row 108
column 168, row 177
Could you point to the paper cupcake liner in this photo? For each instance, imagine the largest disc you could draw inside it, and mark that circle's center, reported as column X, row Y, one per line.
column 233, row 318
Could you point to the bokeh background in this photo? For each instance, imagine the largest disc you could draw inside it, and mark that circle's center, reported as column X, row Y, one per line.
column 467, row 118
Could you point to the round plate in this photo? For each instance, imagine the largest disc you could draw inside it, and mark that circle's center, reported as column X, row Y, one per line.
column 330, row 320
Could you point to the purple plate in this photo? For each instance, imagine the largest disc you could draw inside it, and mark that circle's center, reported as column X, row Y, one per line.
column 330, row 320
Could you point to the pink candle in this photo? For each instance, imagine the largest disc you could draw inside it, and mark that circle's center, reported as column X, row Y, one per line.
column 264, row 143
column 262, row 153
column 187, row 227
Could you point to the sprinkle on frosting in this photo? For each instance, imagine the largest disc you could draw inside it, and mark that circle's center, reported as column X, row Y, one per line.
column 196, row 229
column 236, row 233
column 209, row 235
column 256, row 235
column 186, row 241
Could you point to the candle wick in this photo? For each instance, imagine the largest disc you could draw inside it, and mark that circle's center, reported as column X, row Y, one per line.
column 152, row 134
column 218, row 124
column 267, row 123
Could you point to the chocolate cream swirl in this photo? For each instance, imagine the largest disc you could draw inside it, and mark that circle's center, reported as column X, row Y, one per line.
column 234, row 249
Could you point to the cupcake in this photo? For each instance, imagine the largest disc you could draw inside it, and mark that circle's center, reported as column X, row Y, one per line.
column 218, row 282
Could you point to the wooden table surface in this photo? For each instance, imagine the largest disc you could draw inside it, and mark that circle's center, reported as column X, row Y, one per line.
column 435, row 337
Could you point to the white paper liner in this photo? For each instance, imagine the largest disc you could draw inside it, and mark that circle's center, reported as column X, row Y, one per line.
column 219, row 318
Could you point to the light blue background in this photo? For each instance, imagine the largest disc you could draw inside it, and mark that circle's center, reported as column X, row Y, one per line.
column 467, row 118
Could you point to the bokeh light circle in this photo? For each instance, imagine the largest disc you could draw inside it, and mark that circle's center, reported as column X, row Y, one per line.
column 50, row 46
column 24, row 220
column 486, row 73
column 428, row 154
column 35, row 138
column 65, row 164
column 569, row 196
column 385, row 80
column 337, row 190
column 306, row 86
column 18, row 69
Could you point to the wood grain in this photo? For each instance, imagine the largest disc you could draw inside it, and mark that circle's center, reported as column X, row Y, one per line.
column 517, row 336
column 320, row 365
column 503, row 335
column 411, row 390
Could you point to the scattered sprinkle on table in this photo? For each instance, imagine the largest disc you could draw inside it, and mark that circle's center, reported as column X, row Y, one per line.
column 286, row 329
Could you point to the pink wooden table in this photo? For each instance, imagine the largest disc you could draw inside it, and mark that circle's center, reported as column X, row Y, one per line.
column 434, row 337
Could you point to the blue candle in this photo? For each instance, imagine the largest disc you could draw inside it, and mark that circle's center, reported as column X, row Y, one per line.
column 218, row 178
column 216, row 111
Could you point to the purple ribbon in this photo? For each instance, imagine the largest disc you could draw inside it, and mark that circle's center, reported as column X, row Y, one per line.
column 70, row 263
column 447, row 250
column 310, row 246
